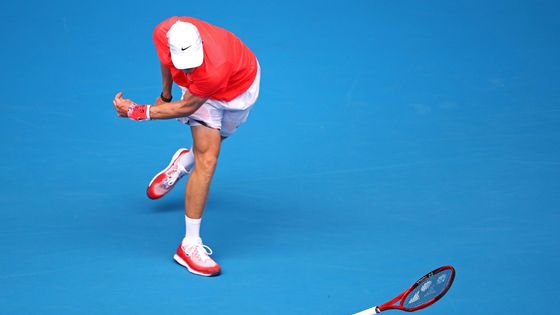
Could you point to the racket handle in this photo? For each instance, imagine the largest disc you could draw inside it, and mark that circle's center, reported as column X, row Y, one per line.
column 369, row 311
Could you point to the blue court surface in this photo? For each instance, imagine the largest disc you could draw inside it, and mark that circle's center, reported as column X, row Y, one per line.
column 390, row 138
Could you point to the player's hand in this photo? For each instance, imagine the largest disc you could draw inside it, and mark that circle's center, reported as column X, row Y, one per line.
column 127, row 108
column 159, row 101
column 121, row 105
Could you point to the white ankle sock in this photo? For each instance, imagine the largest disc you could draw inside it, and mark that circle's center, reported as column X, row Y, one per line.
column 192, row 230
column 187, row 161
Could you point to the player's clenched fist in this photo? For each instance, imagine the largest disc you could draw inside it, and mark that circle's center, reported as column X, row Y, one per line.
column 122, row 104
column 127, row 108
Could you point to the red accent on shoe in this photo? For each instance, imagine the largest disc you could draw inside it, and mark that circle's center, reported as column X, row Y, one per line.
column 156, row 189
column 184, row 260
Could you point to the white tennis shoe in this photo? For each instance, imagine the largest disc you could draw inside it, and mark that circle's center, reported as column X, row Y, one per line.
column 165, row 180
column 196, row 258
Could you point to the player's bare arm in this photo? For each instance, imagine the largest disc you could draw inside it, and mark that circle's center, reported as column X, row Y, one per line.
column 167, row 84
column 184, row 107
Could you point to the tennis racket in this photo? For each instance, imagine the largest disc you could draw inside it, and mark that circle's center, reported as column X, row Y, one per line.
column 421, row 294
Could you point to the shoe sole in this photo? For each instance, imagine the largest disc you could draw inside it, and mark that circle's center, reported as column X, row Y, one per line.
column 175, row 156
column 183, row 263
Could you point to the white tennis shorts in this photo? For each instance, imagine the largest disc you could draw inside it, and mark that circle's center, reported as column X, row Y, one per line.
column 222, row 115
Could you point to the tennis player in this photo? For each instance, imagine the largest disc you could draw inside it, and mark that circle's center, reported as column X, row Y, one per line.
column 219, row 78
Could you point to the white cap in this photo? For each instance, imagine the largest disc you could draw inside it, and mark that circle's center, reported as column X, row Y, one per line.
column 185, row 45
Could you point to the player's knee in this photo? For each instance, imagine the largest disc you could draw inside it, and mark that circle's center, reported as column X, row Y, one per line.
column 207, row 163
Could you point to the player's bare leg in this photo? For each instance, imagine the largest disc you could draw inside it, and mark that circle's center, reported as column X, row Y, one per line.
column 207, row 142
column 192, row 253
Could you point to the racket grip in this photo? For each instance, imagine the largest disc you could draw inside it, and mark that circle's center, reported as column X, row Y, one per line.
column 369, row 311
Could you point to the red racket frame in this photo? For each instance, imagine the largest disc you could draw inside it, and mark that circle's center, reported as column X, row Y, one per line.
column 389, row 305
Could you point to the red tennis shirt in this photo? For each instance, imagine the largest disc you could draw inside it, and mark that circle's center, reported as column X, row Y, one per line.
column 229, row 67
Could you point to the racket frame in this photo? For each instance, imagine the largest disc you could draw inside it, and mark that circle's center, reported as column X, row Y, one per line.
column 390, row 305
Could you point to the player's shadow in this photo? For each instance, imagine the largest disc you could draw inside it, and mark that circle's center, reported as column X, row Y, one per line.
column 224, row 217
column 176, row 202
column 168, row 204
column 240, row 226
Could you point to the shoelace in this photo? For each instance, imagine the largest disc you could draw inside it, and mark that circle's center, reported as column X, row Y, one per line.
column 199, row 251
column 172, row 175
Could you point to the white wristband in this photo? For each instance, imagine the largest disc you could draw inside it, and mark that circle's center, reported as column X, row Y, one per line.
column 148, row 112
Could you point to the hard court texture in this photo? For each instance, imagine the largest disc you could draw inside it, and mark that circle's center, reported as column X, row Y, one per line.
column 390, row 138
